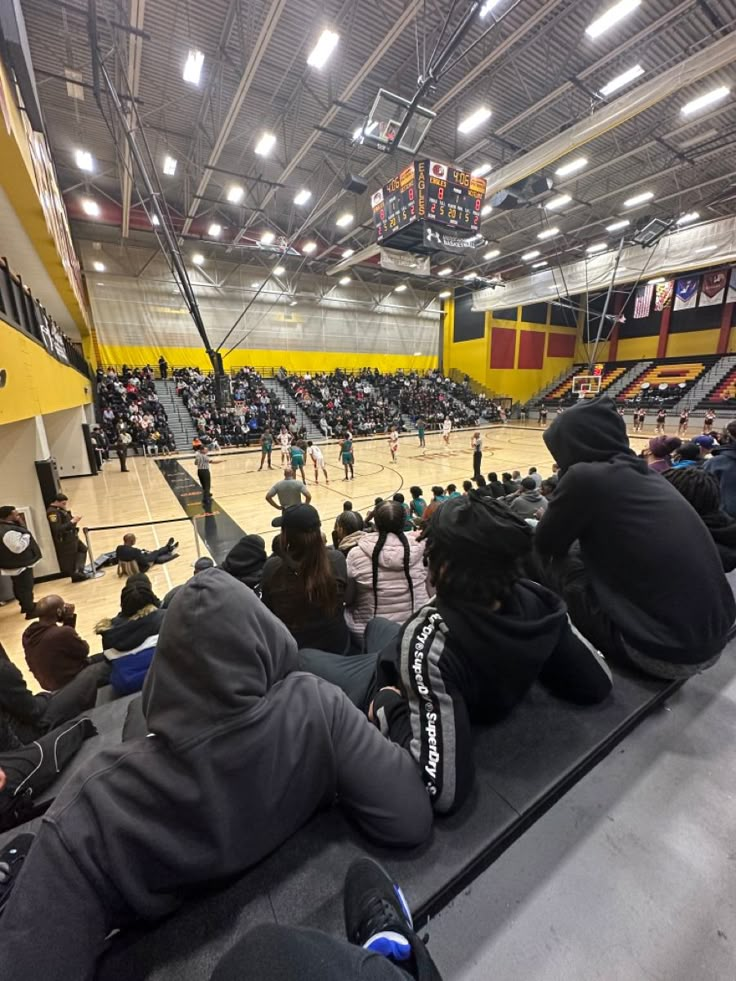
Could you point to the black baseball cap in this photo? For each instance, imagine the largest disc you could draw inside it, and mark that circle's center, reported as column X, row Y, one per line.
column 301, row 517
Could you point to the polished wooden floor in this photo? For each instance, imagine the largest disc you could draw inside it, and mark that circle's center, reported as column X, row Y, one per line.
column 143, row 495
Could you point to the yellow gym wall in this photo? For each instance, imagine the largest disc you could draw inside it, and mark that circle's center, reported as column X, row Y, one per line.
column 692, row 342
column 36, row 383
column 292, row 361
column 473, row 357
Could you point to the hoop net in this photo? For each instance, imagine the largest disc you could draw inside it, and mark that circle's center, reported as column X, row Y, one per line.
column 586, row 386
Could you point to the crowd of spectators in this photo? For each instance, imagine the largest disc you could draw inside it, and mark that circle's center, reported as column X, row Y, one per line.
column 369, row 401
column 252, row 412
column 428, row 615
column 129, row 407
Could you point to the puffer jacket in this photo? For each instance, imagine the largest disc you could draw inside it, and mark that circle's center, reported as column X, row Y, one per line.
column 394, row 596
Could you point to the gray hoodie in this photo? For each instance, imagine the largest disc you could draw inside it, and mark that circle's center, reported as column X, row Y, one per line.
column 244, row 750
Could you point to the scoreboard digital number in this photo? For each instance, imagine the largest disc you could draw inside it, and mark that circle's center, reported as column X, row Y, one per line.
column 432, row 191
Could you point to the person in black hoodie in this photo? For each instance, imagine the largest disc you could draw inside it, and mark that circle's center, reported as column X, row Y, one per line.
column 246, row 559
column 242, row 750
column 472, row 653
column 701, row 490
column 626, row 584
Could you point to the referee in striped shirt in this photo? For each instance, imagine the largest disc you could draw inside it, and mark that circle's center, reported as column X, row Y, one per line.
column 202, row 461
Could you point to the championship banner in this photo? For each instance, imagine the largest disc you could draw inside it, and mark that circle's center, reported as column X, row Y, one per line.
column 450, row 241
column 663, row 295
column 643, row 301
column 686, row 293
column 714, row 288
column 405, row 262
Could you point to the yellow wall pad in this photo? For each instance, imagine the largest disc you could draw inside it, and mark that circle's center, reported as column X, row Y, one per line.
column 293, row 361
column 36, row 383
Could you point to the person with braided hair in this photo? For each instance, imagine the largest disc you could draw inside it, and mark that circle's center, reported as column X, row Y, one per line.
column 701, row 490
column 387, row 568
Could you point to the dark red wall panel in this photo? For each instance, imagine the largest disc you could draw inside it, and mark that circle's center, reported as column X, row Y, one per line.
column 503, row 347
column 531, row 349
column 561, row 346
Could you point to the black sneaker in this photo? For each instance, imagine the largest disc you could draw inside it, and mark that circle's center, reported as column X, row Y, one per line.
column 377, row 916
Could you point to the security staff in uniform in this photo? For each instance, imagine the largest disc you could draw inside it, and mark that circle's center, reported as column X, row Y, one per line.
column 19, row 552
column 71, row 553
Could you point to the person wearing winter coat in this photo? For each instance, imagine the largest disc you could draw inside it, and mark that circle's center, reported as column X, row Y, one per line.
column 387, row 569
column 722, row 465
column 701, row 490
column 529, row 501
column 129, row 639
column 243, row 749
column 246, row 559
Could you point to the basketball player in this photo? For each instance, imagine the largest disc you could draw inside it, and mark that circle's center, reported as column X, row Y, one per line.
column 542, row 419
column 296, row 453
column 637, row 422
column 266, row 448
column 393, row 443
column 642, row 417
column 346, row 455
column 446, row 430
column 708, row 420
column 315, row 454
column 661, row 416
column 421, row 429
column 684, row 419
column 285, row 443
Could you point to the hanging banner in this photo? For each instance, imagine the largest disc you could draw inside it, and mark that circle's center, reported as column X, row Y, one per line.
column 663, row 295
column 406, row 262
column 686, row 293
column 445, row 240
column 643, row 301
column 714, row 288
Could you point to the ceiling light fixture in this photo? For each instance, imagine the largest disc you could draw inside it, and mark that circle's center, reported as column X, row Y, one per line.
column 169, row 165
column 267, row 238
column 481, row 170
column 322, row 50
column 214, row 230
column 154, row 220
column 715, row 95
column 309, row 247
column 235, row 194
column 293, row 303
column 657, row 279
column 345, row 280
column 345, row 219
column 474, row 120
column 572, row 167
column 98, row 266
column 445, row 272
column 638, row 199
column 91, row 208
column 347, row 253
column 687, row 218
column 610, row 17
column 301, row 197
column 400, row 288
column 597, row 247
column 617, row 225
column 279, row 271
column 193, row 66
column 488, row 7
column 470, row 275
column 548, row 233
column 557, row 202
column 445, row 294
column 699, row 138
column 264, row 146
column 486, row 210
column 623, row 79
column 493, row 254
column 528, row 256
column 84, row 160
column 197, row 258
column 539, row 265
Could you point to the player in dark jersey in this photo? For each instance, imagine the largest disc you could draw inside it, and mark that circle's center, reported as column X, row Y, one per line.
column 684, row 419
column 661, row 416
column 709, row 419
column 346, row 456
column 542, row 419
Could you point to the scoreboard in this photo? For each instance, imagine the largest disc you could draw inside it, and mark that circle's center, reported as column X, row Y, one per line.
column 428, row 191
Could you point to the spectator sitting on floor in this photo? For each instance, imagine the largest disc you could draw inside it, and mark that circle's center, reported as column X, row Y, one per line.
column 516, row 478
column 55, row 653
column 659, row 452
column 723, row 467
column 535, row 476
column 246, row 559
column 438, row 498
column 452, row 492
column 387, row 569
column 509, row 486
column 701, row 490
column 417, row 505
column 202, row 563
column 467, row 487
column 127, row 552
column 307, row 585
column 633, row 530
column 129, row 639
column 528, row 502
column 239, row 739
column 470, row 655
column 687, row 455
column 348, row 531
column 548, row 486
column 496, row 487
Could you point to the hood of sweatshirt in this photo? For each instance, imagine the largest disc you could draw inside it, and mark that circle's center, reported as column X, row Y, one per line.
column 246, row 559
column 722, row 528
column 34, row 634
column 391, row 555
column 219, row 652
column 589, row 432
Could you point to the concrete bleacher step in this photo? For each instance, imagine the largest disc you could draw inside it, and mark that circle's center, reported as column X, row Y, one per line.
column 707, row 383
column 628, row 377
column 279, row 391
column 180, row 422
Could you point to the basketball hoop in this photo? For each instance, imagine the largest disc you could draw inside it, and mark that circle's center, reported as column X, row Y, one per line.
column 586, row 386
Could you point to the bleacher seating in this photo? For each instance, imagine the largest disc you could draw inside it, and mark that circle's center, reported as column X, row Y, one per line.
column 563, row 392
column 679, row 377
column 724, row 391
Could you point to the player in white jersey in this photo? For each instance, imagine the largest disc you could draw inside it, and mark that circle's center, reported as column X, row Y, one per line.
column 446, row 430
column 285, row 442
column 393, row 443
column 315, row 454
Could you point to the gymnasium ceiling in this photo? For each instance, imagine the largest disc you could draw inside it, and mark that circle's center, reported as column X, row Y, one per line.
column 536, row 68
